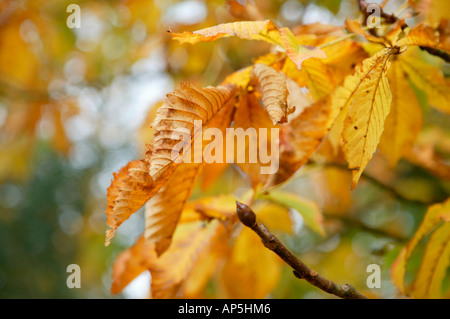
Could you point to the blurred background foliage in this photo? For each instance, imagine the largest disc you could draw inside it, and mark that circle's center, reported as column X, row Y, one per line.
column 74, row 107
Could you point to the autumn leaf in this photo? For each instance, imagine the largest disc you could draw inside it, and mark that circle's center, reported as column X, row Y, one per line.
column 432, row 12
column 425, row 156
column 308, row 210
column 404, row 121
column 251, row 115
column 296, row 52
column 274, row 216
column 428, row 79
column 300, row 138
column 355, row 27
column 426, row 36
column 248, row 30
column 434, row 259
column 256, row 279
column 130, row 189
column 172, row 268
column 368, row 98
column 314, row 75
column 274, row 92
column 130, row 264
column 163, row 210
column 244, row 10
column 175, row 121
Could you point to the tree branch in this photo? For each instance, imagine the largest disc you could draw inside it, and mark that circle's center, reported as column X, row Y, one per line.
column 302, row 271
column 392, row 18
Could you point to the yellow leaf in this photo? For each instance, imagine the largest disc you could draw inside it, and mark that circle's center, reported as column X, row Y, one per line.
column 274, row 216
column 240, row 78
column 426, row 36
column 435, row 261
column 433, row 11
column 428, row 79
column 309, row 210
column 368, row 98
column 172, row 268
column 296, row 52
column 404, row 121
column 253, row 266
column 274, row 92
column 221, row 207
column 425, row 156
column 314, row 75
column 355, row 27
column 248, row 30
column 434, row 216
column 301, row 137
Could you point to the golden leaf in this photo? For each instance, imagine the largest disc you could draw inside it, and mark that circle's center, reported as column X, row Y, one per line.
column 274, row 216
column 248, row 30
column 434, row 216
column 368, row 98
column 355, row 27
column 428, row 79
column 256, row 279
column 309, row 210
column 172, row 268
column 404, row 121
column 297, row 52
column 426, row 36
column 314, row 75
column 435, row 261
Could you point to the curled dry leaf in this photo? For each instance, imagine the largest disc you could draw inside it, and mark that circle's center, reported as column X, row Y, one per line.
column 130, row 189
column 174, row 121
column 274, row 92
column 163, row 210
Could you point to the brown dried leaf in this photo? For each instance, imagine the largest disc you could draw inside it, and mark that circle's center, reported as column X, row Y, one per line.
column 274, row 92
column 163, row 210
column 175, row 118
column 130, row 189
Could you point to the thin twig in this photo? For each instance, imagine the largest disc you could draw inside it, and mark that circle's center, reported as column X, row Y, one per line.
column 248, row 218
